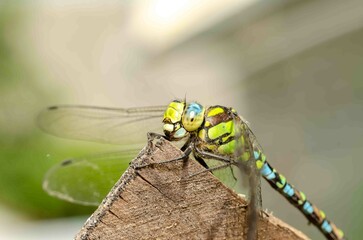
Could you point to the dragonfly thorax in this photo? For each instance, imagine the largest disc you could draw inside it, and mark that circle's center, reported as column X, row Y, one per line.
column 180, row 119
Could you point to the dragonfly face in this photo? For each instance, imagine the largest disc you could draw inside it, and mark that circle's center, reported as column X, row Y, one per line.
column 180, row 119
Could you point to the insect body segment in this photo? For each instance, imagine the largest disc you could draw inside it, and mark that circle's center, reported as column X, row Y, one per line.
column 260, row 158
column 218, row 134
column 220, row 131
column 298, row 199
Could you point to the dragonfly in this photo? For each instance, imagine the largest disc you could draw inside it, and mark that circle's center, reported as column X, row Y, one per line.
column 213, row 132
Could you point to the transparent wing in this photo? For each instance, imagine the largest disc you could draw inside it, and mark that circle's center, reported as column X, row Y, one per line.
column 248, row 168
column 98, row 124
column 227, row 175
column 87, row 180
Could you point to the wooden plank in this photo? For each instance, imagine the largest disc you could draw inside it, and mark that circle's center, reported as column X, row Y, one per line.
column 162, row 202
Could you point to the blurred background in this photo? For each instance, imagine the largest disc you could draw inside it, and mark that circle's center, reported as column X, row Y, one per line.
column 293, row 69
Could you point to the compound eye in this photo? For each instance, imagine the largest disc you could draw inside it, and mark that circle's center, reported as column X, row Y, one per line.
column 193, row 117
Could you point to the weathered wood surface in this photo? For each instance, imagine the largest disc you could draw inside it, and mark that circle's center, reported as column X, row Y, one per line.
column 162, row 202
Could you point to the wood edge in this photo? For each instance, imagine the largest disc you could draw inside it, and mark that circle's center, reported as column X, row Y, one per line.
column 130, row 174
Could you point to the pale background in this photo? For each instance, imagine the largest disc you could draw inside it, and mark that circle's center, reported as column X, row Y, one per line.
column 293, row 69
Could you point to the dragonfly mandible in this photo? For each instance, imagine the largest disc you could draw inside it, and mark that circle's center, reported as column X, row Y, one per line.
column 214, row 132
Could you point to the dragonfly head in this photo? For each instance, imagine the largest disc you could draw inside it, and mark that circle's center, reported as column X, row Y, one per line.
column 172, row 121
column 181, row 118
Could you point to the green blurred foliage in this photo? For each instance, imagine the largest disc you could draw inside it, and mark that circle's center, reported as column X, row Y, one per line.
column 23, row 166
column 23, row 148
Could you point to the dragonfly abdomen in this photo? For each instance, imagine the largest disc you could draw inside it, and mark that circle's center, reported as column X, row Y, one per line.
column 298, row 199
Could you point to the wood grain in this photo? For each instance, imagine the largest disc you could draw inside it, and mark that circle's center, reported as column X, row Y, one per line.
column 162, row 202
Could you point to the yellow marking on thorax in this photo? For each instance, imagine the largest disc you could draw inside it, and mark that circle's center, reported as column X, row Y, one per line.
column 202, row 133
column 211, row 147
column 227, row 148
column 224, row 139
column 207, row 124
column 230, row 148
column 215, row 111
column 220, row 129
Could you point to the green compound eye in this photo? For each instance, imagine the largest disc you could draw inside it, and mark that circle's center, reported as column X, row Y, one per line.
column 193, row 116
column 174, row 112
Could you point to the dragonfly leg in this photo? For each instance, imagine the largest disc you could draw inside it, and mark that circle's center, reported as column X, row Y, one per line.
column 211, row 169
column 185, row 155
column 225, row 159
column 232, row 173
column 151, row 136
column 199, row 159
column 203, row 163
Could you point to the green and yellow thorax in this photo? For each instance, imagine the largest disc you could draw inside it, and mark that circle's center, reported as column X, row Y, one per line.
column 217, row 129
column 222, row 131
